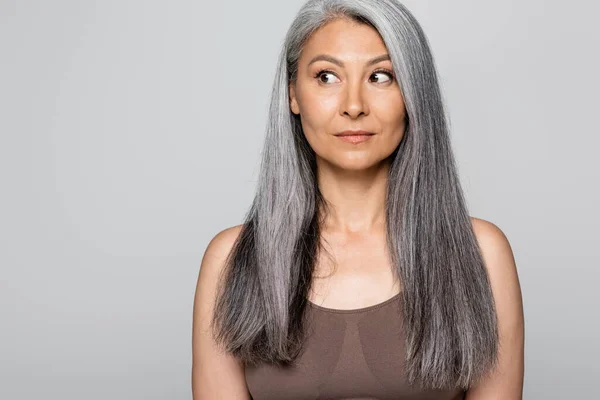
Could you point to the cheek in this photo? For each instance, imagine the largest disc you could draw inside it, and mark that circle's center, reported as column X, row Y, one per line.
column 317, row 112
column 319, row 106
column 392, row 114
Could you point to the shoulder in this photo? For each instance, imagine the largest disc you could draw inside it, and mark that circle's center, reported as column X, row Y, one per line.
column 507, row 381
column 495, row 249
column 215, row 373
column 497, row 254
column 221, row 244
column 504, row 279
column 489, row 235
column 215, row 255
column 491, row 238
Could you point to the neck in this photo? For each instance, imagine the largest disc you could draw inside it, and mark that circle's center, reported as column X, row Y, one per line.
column 355, row 198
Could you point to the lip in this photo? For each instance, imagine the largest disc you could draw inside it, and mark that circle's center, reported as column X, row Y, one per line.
column 354, row 133
column 354, row 137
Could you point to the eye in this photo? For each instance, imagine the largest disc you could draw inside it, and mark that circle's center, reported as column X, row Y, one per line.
column 380, row 72
column 322, row 73
column 383, row 72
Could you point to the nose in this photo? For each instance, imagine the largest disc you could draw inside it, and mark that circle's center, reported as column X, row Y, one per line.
column 354, row 102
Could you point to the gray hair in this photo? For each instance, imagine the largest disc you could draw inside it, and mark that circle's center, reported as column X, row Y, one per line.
column 448, row 310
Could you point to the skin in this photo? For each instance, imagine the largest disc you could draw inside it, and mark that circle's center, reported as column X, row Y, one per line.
column 352, row 178
column 330, row 98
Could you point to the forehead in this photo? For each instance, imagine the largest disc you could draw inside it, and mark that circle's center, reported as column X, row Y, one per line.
column 346, row 40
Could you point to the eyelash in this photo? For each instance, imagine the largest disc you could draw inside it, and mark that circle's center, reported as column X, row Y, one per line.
column 384, row 70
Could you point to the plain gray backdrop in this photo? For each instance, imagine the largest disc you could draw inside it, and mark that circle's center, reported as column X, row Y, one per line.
column 131, row 133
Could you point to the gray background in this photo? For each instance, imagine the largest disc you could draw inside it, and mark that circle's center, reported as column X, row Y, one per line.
column 131, row 132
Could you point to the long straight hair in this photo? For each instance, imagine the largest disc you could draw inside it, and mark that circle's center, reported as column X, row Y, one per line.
column 448, row 310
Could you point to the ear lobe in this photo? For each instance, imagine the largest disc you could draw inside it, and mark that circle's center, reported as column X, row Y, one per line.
column 293, row 103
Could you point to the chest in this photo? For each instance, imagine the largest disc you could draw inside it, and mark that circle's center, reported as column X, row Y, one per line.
column 347, row 355
column 353, row 274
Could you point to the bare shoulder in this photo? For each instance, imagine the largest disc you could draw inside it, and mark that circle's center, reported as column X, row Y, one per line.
column 214, row 259
column 499, row 259
column 490, row 237
column 220, row 245
column 219, row 248
column 215, row 373
column 213, row 263
column 507, row 380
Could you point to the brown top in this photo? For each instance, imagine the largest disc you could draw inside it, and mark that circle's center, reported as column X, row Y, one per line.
column 349, row 354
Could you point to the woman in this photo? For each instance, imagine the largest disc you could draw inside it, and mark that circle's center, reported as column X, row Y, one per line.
column 358, row 273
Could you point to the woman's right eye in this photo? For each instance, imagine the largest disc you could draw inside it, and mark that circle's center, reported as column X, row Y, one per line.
column 323, row 73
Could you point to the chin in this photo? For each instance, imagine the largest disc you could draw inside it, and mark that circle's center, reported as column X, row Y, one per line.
column 354, row 164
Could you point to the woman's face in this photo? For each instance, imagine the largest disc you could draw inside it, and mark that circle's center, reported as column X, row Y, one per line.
column 346, row 82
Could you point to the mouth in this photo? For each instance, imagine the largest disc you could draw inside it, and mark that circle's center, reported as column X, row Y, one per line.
column 354, row 137
column 354, row 133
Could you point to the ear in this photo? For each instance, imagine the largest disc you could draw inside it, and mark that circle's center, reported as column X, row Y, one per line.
column 293, row 102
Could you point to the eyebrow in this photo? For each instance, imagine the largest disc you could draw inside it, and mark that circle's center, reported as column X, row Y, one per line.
column 331, row 59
